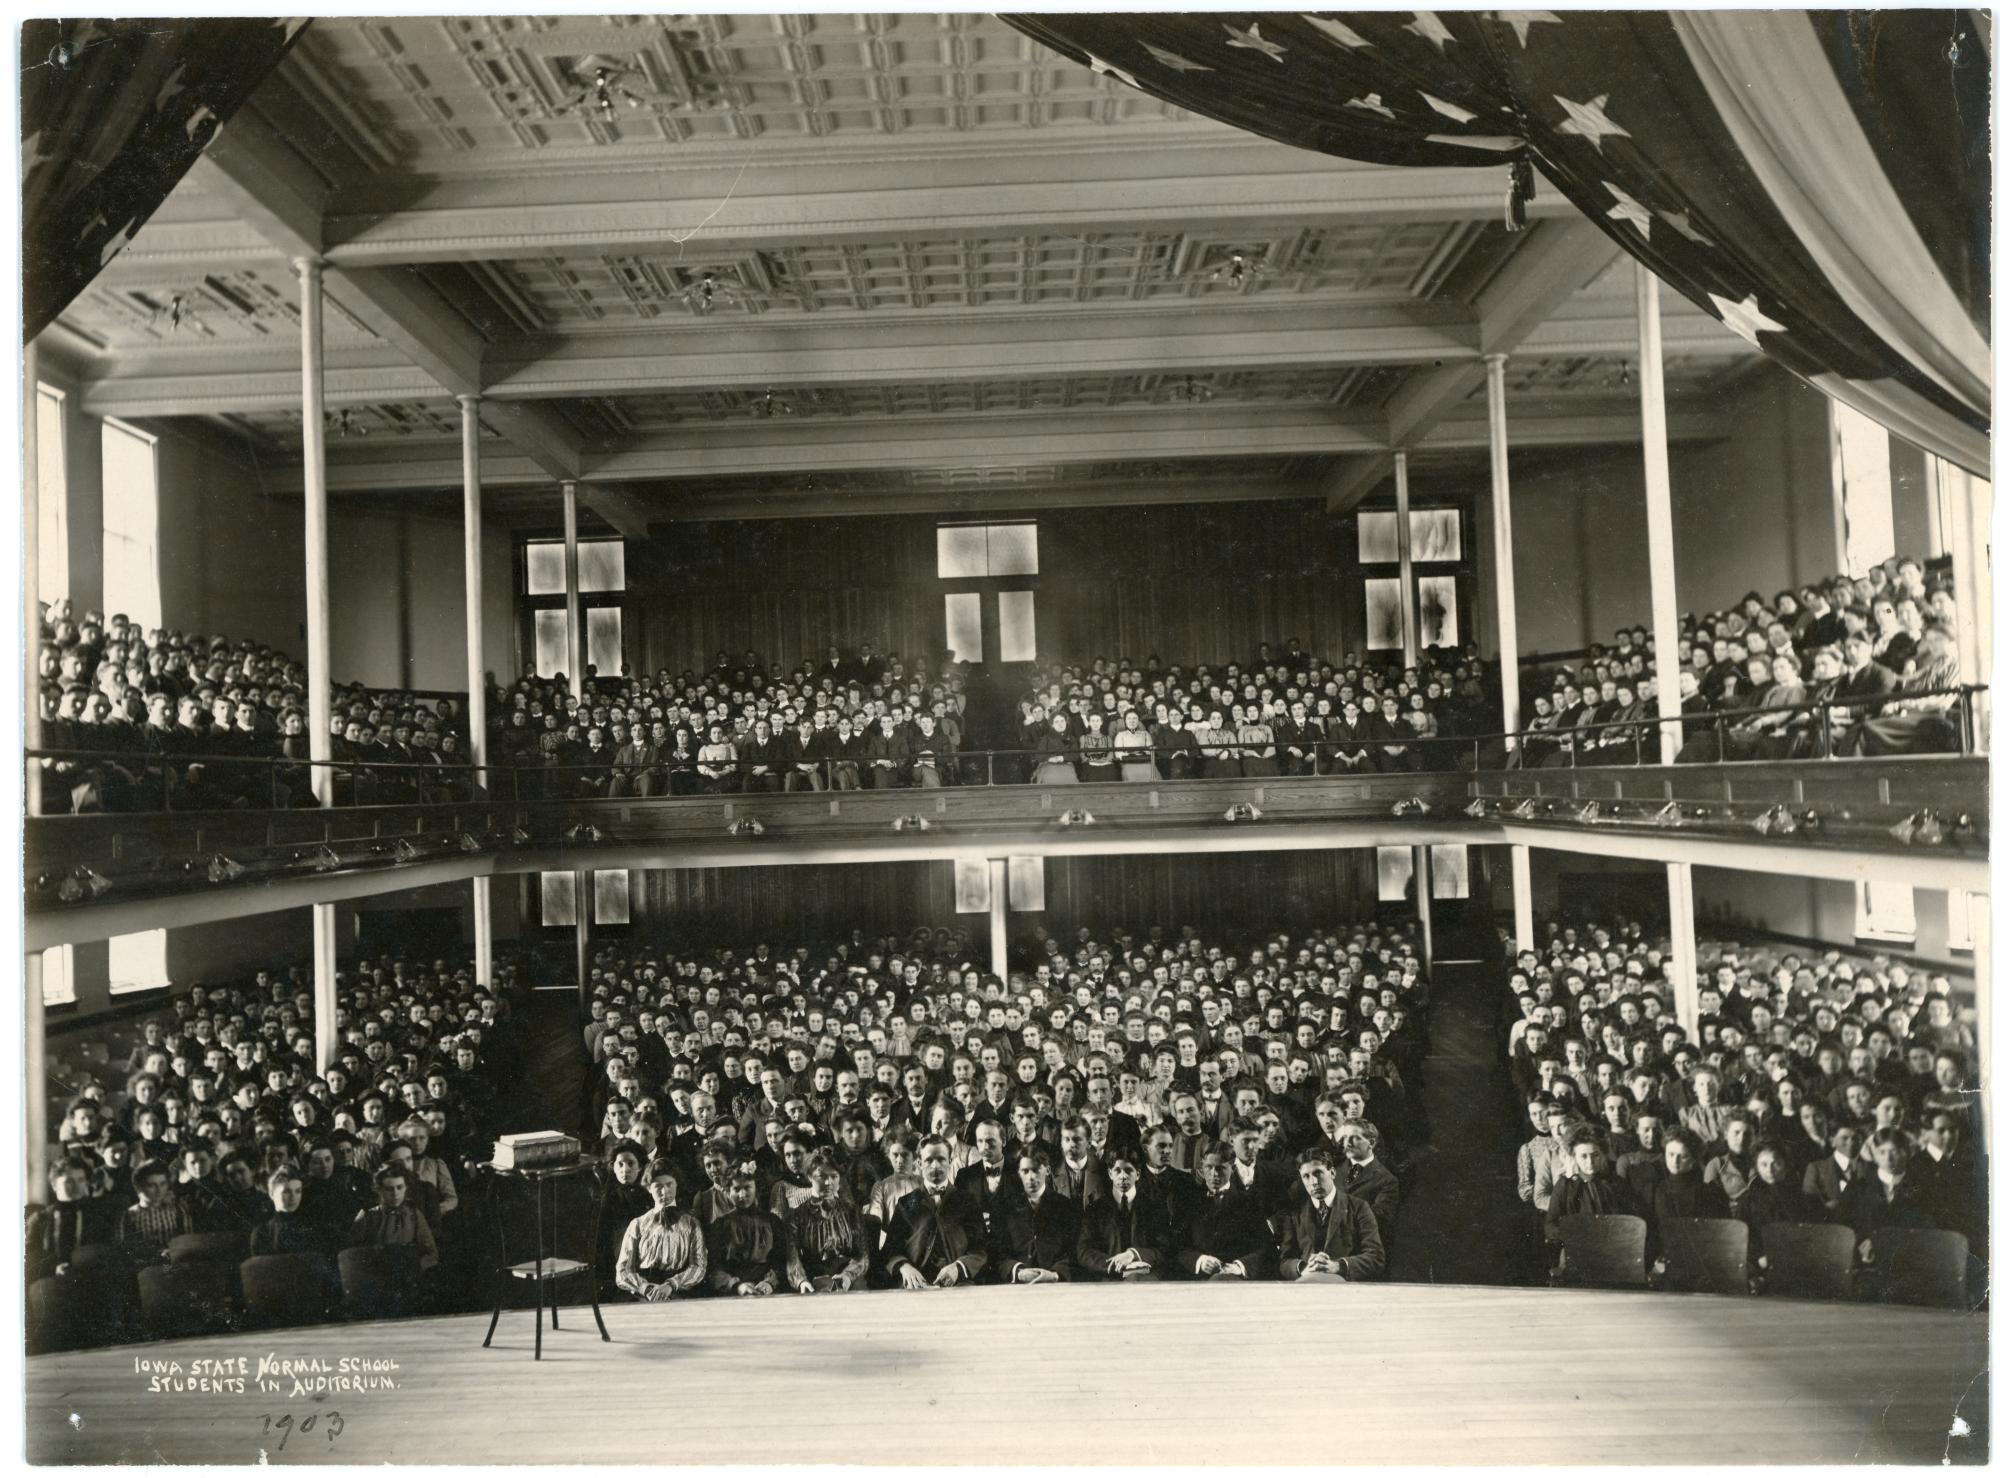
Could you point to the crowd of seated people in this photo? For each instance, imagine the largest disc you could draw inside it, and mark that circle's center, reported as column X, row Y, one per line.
column 213, row 1138
column 1285, row 712
column 856, row 722
column 1838, row 1089
column 160, row 719
column 887, row 1114
column 1750, row 675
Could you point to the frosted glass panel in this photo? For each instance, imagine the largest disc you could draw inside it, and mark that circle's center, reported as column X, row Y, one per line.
column 961, row 552
column 612, row 890
column 59, row 975
column 1012, row 549
column 52, row 483
column 138, row 961
column 600, row 565
column 1437, row 611
column 1885, row 911
column 1026, row 885
column 545, row 568
column 972, row 884
column 551, row 642
column 963, row 632
column 131, row 526
column 1450, row 871
column 558, row 899
column 1393, row 869
column 1434, row 536
column 1378, row 538
column 1017, row 626
column 604, row 632
column 1385, row 615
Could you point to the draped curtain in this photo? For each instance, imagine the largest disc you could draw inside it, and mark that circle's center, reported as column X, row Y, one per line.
column 1818, row 181
column 112, row 114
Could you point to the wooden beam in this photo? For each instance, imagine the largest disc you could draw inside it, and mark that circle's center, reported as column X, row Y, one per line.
column 1557, row 259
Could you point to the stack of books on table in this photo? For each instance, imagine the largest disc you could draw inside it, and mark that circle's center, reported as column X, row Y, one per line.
column 534, row 1151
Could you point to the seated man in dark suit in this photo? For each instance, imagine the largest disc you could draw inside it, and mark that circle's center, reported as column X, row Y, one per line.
column 1129, row 1236
column 1038, row 1234
column 988, row 1183
column 1826, row 1181
column 1331, row 1237
column 1226, row 1235
column 935, row 1237
column 1366, row 1177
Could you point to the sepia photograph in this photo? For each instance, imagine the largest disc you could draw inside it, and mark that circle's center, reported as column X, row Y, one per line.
column 1297, row 702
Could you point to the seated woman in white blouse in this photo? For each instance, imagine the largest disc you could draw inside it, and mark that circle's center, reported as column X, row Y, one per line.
column 664, row 1252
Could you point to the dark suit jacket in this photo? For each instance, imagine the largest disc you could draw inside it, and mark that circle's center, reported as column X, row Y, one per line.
column 1231, row 1227
column 1825, row 1183
column 1080, row 1186
column 1376, row 1184
column 1183, row 1193
column 1349, row 1234
column 934, row 1235
column 1108, row 1229
column 992, row 1205
column 1040, row 1236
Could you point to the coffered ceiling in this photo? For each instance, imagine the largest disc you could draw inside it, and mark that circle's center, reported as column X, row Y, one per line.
column 825, row 263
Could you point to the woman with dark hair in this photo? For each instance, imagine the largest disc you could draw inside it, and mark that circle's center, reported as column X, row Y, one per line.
column 827, row 1232
column 1773, row 1196
column 1592, row 1187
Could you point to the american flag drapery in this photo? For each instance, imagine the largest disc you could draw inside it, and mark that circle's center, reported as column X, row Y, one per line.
column 112, row 115
column 1816, row 180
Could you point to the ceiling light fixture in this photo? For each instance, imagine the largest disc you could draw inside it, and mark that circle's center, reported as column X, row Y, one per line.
column 1076, row 818
column 702, row 293
column 748, row 826
column 1243, row 811
column 1412, row 803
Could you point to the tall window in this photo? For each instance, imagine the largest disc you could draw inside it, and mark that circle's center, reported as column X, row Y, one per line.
column 51, row 496
column 1885, row 912
column 1861, row 479
column 988, row 570
column 131, row 524
column 138, row 962
column 59, row 975
column 600, row 588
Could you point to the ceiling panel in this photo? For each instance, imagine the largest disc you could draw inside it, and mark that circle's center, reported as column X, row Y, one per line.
column 416, row 91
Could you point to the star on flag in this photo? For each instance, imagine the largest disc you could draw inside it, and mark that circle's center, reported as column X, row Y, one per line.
column 1338, row 32
column 1628, row 209
column 1099, row 65
column 1172, row 59
column 1745, row 319
column 1589, row 120
column 1450, row 110
column 1681, row 222
column 1251, row 40
column 1430, row 27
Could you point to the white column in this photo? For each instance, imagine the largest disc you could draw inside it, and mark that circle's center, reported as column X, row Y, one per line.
column 319, row 607
column 1524, row 898
column 35, row 1070
column 34, row 1040
column 31, row 606
column 574, row 657
column 1503, row 544
column 475, row 610
column 482, row 930
column 1406, row 571
column 1968, row 531
column 1423, row 860
column 584, row 904
column 1981, row 907
column 1681, row 942
column 996, row 912
column 1659, row 515
column 325, row 993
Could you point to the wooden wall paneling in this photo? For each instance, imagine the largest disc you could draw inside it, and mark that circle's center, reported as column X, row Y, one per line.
column 1192, row 583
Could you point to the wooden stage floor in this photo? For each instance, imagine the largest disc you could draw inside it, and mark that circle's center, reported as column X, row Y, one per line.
column 1066, row 1375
